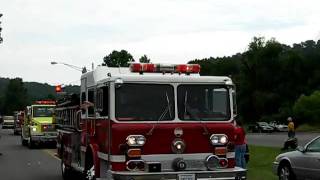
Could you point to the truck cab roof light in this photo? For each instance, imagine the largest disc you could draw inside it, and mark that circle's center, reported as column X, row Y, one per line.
column 45, row 102
column 188, row 68
column 164, row 68
column 142, row 67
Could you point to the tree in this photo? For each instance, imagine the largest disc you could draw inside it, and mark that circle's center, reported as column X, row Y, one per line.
column 118, row 59
column 307, row 108
column 15, row 96
column 144, row 59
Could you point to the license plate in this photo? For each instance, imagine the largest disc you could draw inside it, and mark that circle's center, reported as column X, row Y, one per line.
column 186, row 177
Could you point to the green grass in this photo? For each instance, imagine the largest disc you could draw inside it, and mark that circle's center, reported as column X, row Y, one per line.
column 308, row 128
column 260, row 163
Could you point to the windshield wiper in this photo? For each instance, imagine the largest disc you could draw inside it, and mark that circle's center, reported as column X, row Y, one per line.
column 163, row 114
column 193, row 114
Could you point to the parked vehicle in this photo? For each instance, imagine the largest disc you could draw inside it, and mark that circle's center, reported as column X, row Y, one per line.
column 261, row 127
column 278, row 127
column 8, row 122
column 153, row 122
column 303, row 163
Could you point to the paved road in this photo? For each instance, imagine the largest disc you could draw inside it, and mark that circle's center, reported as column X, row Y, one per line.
column 277, row 139
column 21, row 163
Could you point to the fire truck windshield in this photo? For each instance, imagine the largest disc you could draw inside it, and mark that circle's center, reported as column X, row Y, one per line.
column 145, row 102
column 203, row 103
column 42, row 111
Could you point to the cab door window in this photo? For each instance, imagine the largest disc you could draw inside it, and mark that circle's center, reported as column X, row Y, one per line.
column 102, row 101
column 91, row 100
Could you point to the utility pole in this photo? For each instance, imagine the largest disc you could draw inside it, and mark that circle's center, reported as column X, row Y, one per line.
column 1, row 39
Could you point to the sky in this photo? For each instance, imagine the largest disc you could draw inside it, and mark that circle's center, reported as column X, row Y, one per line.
column 78, row 32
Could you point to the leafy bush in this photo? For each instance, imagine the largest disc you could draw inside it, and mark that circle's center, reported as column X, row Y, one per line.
column 307, row 108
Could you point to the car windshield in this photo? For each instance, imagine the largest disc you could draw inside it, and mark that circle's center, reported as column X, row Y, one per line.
column 39, row 111
column 144, row 102
column 203, row 102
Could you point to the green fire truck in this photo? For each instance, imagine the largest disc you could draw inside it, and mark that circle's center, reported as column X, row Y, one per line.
column 38, row 126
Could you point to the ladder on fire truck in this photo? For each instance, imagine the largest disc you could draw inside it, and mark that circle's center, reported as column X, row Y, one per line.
column 68, row 113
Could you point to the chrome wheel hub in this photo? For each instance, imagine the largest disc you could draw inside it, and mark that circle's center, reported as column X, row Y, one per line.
column 284, row 173
column 90, row 173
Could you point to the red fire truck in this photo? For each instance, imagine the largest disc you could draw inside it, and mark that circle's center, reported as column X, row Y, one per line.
column 149, row 121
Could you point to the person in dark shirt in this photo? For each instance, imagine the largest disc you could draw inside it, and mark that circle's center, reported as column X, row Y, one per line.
column 240, row 145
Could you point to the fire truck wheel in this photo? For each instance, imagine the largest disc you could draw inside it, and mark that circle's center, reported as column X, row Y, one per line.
column 67, row 173
column 24, row 142
column 89, row 173
column 31, row 143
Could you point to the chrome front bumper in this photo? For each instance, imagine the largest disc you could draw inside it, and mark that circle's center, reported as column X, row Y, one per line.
column 45, row 137
column 7, row 125
column 230, row 173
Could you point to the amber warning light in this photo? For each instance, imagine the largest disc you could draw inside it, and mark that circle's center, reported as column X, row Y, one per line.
column 163, row 68
column 58, row 88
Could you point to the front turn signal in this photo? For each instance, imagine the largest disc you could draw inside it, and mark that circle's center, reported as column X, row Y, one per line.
column 134, row 153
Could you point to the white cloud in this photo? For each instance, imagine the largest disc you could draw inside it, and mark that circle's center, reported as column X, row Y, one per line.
column 80, row 32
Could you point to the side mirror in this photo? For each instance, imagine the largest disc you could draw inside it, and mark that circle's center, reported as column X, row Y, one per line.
column 301, row 149
column 86, row 104
column 118, row 83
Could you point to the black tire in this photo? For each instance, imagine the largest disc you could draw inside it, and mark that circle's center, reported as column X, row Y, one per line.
column 67, row 172
column 89, row 173
column 285, row 172
column 23, row 141
column 31, row 144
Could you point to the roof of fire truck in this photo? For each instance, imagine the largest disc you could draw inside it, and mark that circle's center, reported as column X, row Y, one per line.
column 103, row 74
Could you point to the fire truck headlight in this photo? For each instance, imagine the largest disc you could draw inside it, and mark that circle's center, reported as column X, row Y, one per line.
column 34, row 129
column 219, row 139
column 223, row 139
column 136, row 140
column 141, row 140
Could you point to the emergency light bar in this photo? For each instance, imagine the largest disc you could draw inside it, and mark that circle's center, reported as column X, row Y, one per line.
column 46, row 102
column 163, row 68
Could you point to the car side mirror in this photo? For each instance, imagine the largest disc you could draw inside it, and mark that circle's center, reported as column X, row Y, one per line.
column 301, row 149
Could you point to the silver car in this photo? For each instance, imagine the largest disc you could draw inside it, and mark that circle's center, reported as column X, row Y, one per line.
column 303, row 163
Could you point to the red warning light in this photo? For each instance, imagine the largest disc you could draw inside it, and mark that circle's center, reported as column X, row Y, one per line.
column 58, row 88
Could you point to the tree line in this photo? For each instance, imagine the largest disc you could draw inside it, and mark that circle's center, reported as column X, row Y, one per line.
column 16, row 95
column 273, row 80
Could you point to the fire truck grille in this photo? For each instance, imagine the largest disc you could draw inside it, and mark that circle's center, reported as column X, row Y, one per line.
column 50, row 134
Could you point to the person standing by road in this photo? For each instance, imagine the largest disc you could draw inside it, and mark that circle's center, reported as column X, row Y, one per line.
column 240, row 145
column 291, row 131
